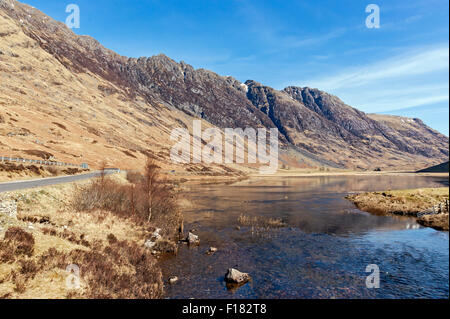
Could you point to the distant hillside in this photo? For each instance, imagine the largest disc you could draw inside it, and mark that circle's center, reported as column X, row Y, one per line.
column 69, row 96
column 441, row 168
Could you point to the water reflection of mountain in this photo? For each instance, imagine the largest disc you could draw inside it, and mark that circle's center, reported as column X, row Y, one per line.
column 312, row 204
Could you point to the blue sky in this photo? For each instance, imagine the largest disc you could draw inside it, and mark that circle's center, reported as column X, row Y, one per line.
column 400, row 68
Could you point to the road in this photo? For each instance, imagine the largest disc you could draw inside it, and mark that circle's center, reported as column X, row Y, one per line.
column 19, row 185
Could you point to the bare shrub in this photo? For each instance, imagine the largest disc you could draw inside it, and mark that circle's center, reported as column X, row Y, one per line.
column 111, row 239
column 7, row 252
column 103, row 193
column 66, row 234
column 41, row 154
column 149, row 199
column 20, row 282
column 36, row 170
column 16, row 242
column 28, row 268
column 102, row 171
column 134, row 177
column 53, row 170
column 121, row 269
column 155, row 201
column 71, row 171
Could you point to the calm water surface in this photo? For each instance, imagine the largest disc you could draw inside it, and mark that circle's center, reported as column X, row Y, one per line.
column 321, row 253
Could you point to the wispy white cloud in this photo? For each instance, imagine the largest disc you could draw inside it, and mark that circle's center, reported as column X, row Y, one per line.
column 299, row 41
column 392, row 102
column 417, row 77
column 403, row 66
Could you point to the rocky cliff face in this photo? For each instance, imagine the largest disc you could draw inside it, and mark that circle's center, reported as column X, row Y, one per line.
column 154, row 94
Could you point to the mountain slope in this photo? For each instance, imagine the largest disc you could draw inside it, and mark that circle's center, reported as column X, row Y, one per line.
column 69, row 96
column 440, row 168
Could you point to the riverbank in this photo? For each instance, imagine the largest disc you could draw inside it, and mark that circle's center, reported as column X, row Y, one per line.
column 197, row 179
column 417, row 203
column 47, row 232
column 337, row 172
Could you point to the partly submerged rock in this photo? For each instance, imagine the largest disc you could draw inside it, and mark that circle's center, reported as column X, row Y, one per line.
column 192, row 239
column 173, row 279
column 211, row 250
column 234, row 276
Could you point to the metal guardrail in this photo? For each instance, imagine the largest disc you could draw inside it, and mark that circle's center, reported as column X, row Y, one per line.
column 41, row 162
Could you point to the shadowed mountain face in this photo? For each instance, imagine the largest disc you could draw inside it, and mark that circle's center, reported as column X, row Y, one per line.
column 441, row 168
column 317, row 128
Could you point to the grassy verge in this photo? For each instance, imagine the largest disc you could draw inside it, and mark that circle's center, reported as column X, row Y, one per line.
column 12, row 171
column 409, row 202
column 100, row 226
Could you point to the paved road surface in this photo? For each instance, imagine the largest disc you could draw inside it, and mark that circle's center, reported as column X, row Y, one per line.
column 18, row 185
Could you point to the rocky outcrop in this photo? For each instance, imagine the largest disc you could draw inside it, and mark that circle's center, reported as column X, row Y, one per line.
column 234, row 276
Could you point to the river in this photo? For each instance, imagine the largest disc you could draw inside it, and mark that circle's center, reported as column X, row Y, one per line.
column 321, row 251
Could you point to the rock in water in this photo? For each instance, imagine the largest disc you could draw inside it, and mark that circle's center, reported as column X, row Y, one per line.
column 173, row 280
column 192, row 239
column 211, row 250
column 236, row 277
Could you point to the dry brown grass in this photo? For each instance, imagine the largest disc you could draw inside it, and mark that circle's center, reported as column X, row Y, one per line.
column 120, row 269
column 439, row 221
column 148, row 200
column 400, row 202
column 259, row 221
column 16, row 243
column 102, row 236
column 13, row 171
column 406, row 202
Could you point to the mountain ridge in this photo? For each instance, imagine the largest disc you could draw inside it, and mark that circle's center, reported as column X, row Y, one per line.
column 316, row 124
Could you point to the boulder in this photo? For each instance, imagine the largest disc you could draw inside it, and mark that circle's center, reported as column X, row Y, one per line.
column 234, row 276
column 156, row 235
column 173, row 279
column 149, row 243
column 211, row 250
column 192, row 239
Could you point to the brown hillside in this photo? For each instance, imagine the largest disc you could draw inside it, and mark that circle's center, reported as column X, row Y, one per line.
column 68, row 96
